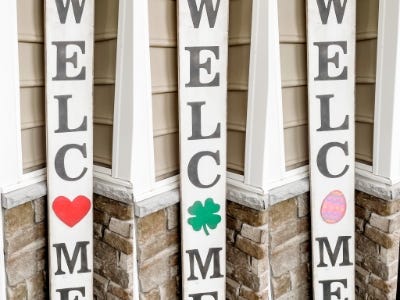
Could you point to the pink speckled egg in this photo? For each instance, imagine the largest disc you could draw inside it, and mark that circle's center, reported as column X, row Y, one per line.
column 333, row 207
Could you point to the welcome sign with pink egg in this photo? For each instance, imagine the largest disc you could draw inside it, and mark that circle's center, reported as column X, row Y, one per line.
column 331, row 73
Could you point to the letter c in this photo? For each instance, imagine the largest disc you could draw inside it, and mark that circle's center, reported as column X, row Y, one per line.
column 194, row 165
column 60, row 164
column 322, row 161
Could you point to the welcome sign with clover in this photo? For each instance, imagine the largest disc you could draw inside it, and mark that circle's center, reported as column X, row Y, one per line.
column 203, row 47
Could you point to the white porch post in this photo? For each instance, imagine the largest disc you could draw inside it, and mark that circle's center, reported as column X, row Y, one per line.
column 265, row 155
column 386, row 162
column 133, row 153
column 10, row 128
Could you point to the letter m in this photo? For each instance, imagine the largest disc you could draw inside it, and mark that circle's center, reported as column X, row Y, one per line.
column 196, row 12
column 61, row 250
column 213, row 253
column 63, row 9
column 342, row 242
column 324, row 9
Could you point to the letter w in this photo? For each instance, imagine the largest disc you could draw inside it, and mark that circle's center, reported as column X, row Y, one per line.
column 63, row 9
column 71, row 262
column 324, row 10
column 197, row 12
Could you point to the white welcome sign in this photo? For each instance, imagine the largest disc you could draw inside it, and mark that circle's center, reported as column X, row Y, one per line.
column 331, row 64
column 203, row 47
column 69, row 81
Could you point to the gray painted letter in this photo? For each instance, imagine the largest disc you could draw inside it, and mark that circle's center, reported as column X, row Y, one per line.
column 326, row 115
column 64, row 293
column 328, row 293
column 63, row 116
column 343, row 241
column 81, row 247
column 201, row 295
column 60, row 165
column 63, row 10
column 196, row 12
column 196, row 123
column 322, row 159
column 62, row 60
column 324, row 10
column 324, row 60
column 193, row 167
column 213, row 253
column 196, row 66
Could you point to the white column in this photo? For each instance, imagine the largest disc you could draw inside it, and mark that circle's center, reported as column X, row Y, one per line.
column 10, row 127
column 386, row 161
column 133, row 153
column 265, row 153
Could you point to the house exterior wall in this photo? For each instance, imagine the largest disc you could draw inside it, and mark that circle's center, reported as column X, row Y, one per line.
column 105, row 47
column 138, row 255
column 32, row 90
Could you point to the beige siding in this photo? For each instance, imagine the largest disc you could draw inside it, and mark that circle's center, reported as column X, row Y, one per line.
column 106, row 28
column 32, row 94
column 32, row 81
column 164, row 76
column 292, row 29
column 163, row 51
column 293, row 51
column 238, row 78
column 367, row 27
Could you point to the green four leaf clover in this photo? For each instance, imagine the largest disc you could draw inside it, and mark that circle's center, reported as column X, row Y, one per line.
column 204, row 216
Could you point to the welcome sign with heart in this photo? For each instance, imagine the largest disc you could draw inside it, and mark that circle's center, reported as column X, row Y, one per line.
column 69, row 81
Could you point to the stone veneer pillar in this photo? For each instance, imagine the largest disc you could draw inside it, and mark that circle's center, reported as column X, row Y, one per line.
column 25, row 247
column 377, row 247
column 113, row 249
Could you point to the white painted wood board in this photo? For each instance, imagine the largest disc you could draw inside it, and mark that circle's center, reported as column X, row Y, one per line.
column 69, row 81
column 331, row 86
column 203, row 49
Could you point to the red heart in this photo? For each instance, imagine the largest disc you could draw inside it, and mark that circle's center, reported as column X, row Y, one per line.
column 71, row 212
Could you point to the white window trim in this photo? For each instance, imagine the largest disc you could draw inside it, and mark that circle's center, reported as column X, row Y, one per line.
column 386, row 158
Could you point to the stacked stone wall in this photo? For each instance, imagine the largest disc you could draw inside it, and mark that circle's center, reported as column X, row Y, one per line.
column 247, row 253
column 290, row 249
column 113, row 249
column 25, row 247
column 377, row 247
column 159, row 254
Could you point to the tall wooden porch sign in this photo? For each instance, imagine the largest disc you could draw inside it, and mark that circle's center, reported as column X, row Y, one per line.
column 69, row 80
column 203, row 45
column 331, row 64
